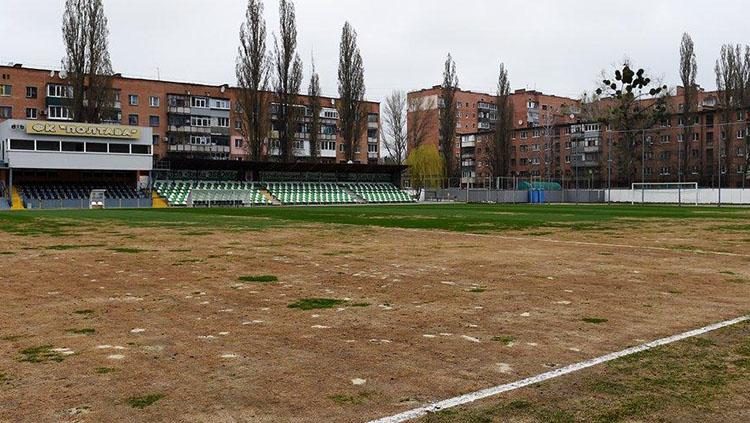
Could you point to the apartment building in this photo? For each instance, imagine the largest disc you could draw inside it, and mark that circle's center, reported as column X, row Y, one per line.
column 552, row 140
column 195, row 121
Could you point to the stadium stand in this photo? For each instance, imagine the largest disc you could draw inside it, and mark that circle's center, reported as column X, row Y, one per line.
column 207, row 193
column 380, row 193
column 309, row 193
column 75, row 195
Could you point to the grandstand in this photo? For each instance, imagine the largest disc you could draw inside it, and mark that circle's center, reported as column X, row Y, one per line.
column 207, row 193
column 309, row 193
column 76, row 195
column 380, row 193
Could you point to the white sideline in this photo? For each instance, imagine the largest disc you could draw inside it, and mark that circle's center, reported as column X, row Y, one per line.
column 488, row 392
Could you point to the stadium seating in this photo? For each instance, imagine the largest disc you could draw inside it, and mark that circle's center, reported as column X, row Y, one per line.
column 80, row 191
column 380, row 193
column 309, row 193
column 178, row 193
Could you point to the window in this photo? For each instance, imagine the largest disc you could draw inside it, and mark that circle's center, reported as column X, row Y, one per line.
column 535, row 133
column 740, row 134
column 200, row 140
column 220, row 104
column 664, row 139
column 58, row 113
column 330, row 114
column 6, row 112
column 133, row 119
column 372, row 118
column 200, row 102
column 222, row 122
column 59, row 91
column 119, row 148
column 740, row 169
column 740, row 115
column 201, row 121
column 141, row 149
column 154, row 101
column 372, row 134
column 154, row 139
column 328, row 145
column 76, row 147
column 31, row 92
column 740, row 152
column 21, row 144
column 48, row 145
column 5, row 90
column 680, row 137
column 153, row 121
column 31, row 113
column 665, row 170
column 96, row 147
column 238, row 143
column 696, row 136
column 372, row 148
column 567, row 159
column 133, row 99
column 238, row 125
column 524, row 135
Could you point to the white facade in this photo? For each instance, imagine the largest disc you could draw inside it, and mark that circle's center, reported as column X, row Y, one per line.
column 21, row 149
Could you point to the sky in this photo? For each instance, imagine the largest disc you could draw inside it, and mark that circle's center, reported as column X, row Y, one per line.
column 557, row 47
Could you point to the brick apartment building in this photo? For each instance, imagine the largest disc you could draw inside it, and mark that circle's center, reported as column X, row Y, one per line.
column 188, row 120
column 553, row 141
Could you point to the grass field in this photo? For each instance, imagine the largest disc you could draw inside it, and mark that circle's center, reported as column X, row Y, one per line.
column 355, row 313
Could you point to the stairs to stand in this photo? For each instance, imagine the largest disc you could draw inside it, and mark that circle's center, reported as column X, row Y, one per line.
column 157, row 201
column 356, row 197
column 271, row 199
column 17, row 203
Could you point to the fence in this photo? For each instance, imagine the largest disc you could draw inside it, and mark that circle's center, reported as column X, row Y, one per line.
column 84, row 204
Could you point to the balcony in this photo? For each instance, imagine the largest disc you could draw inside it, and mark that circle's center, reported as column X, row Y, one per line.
column 468, row 163
column 484, row 125
column 189, row 129
column 328, row 153
column 469, row 141
column 372, row 125
column 178, row 110
column 218, row 130
column 371, row 155
column 190, row 148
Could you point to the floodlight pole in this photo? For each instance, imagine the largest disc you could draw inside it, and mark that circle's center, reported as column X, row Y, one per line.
column 609, row 170
column 679, row 173
column 643, row 167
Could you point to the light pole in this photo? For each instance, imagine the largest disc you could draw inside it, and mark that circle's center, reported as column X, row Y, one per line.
column 609, row 170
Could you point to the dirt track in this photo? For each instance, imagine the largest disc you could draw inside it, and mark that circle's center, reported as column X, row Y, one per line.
column 178, row 322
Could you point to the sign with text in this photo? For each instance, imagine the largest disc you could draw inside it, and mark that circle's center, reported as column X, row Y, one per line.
column 83, row 130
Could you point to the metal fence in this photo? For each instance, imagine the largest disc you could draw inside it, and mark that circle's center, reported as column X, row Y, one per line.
column 110, row 203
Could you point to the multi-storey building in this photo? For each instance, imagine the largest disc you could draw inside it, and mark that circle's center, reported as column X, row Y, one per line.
column 188, row 120
column 552, row 140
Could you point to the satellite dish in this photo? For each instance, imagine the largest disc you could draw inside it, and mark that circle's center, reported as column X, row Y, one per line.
column 223, row 88
column 520, row 122
column 52, row 74
column 572, row 116
column 63, row 74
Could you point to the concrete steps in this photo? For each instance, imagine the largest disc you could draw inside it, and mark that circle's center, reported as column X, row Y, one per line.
column 17, row 203
column 157, row 201
column 269, row 197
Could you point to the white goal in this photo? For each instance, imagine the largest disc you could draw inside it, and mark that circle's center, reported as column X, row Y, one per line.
column 664, row 193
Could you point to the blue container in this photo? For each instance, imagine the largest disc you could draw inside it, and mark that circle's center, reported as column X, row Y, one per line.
column 534, row 196
column 541, row 197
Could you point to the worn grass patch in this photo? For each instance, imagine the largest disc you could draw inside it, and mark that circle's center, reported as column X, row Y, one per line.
column 359, row 305
column 478, row 290
column 506, row 340
column 687, row 378
column 104, row 370
column 82, row 331
column 4, row 378
column 40, row 354
column 595, row 320
column 126, row 250
column 357, row 399
column 84, row 312
column 63, row 247
column 259, row 279
column 316, row 303
column 143, row 401
column 7, row 253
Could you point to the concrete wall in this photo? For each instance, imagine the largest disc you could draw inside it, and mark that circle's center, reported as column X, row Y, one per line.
column 689, row 196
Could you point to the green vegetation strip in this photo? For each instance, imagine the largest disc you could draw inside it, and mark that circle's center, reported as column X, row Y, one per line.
column 479, row 218
column 316, row 303
column 143, row 401
column 259, row 279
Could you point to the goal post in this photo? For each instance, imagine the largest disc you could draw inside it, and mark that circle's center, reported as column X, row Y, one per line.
column 664, row 193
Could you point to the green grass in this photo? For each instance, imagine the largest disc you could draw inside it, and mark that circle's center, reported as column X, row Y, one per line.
column 63, row 247
column 126, row 250
column 316, row 303
column 478, row 290
column 40, row 354
column 83, row 331
column 506, row 340
column 693, row 377
column 259, row 279
column 143, row 401
column 594, row 320
column 453, row 217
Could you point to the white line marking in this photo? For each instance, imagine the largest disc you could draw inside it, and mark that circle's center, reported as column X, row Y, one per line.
column 489, row 392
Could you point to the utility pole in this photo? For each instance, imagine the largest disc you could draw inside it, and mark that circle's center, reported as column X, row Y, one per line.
column 609, row 170
column 643, row 167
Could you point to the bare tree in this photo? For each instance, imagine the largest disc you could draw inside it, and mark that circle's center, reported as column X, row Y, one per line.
column 688, row 71
column 497, row 151
column 448, row 119
column 421, row 120
column 288, row 79
column 352, row 113
column 725, row 69
column 87, row 62
column 313, row 92
column 252, row 80
column 547, row 122
column 395, row 127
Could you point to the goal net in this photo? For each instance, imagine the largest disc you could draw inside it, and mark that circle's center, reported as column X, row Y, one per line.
column 665, row 193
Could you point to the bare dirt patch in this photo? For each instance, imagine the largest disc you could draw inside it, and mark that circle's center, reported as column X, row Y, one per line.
column 447, row 314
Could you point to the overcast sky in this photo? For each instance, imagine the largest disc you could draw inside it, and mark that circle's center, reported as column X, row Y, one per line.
column 558, row 47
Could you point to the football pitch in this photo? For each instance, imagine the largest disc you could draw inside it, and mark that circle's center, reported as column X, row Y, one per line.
column 352, row 314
